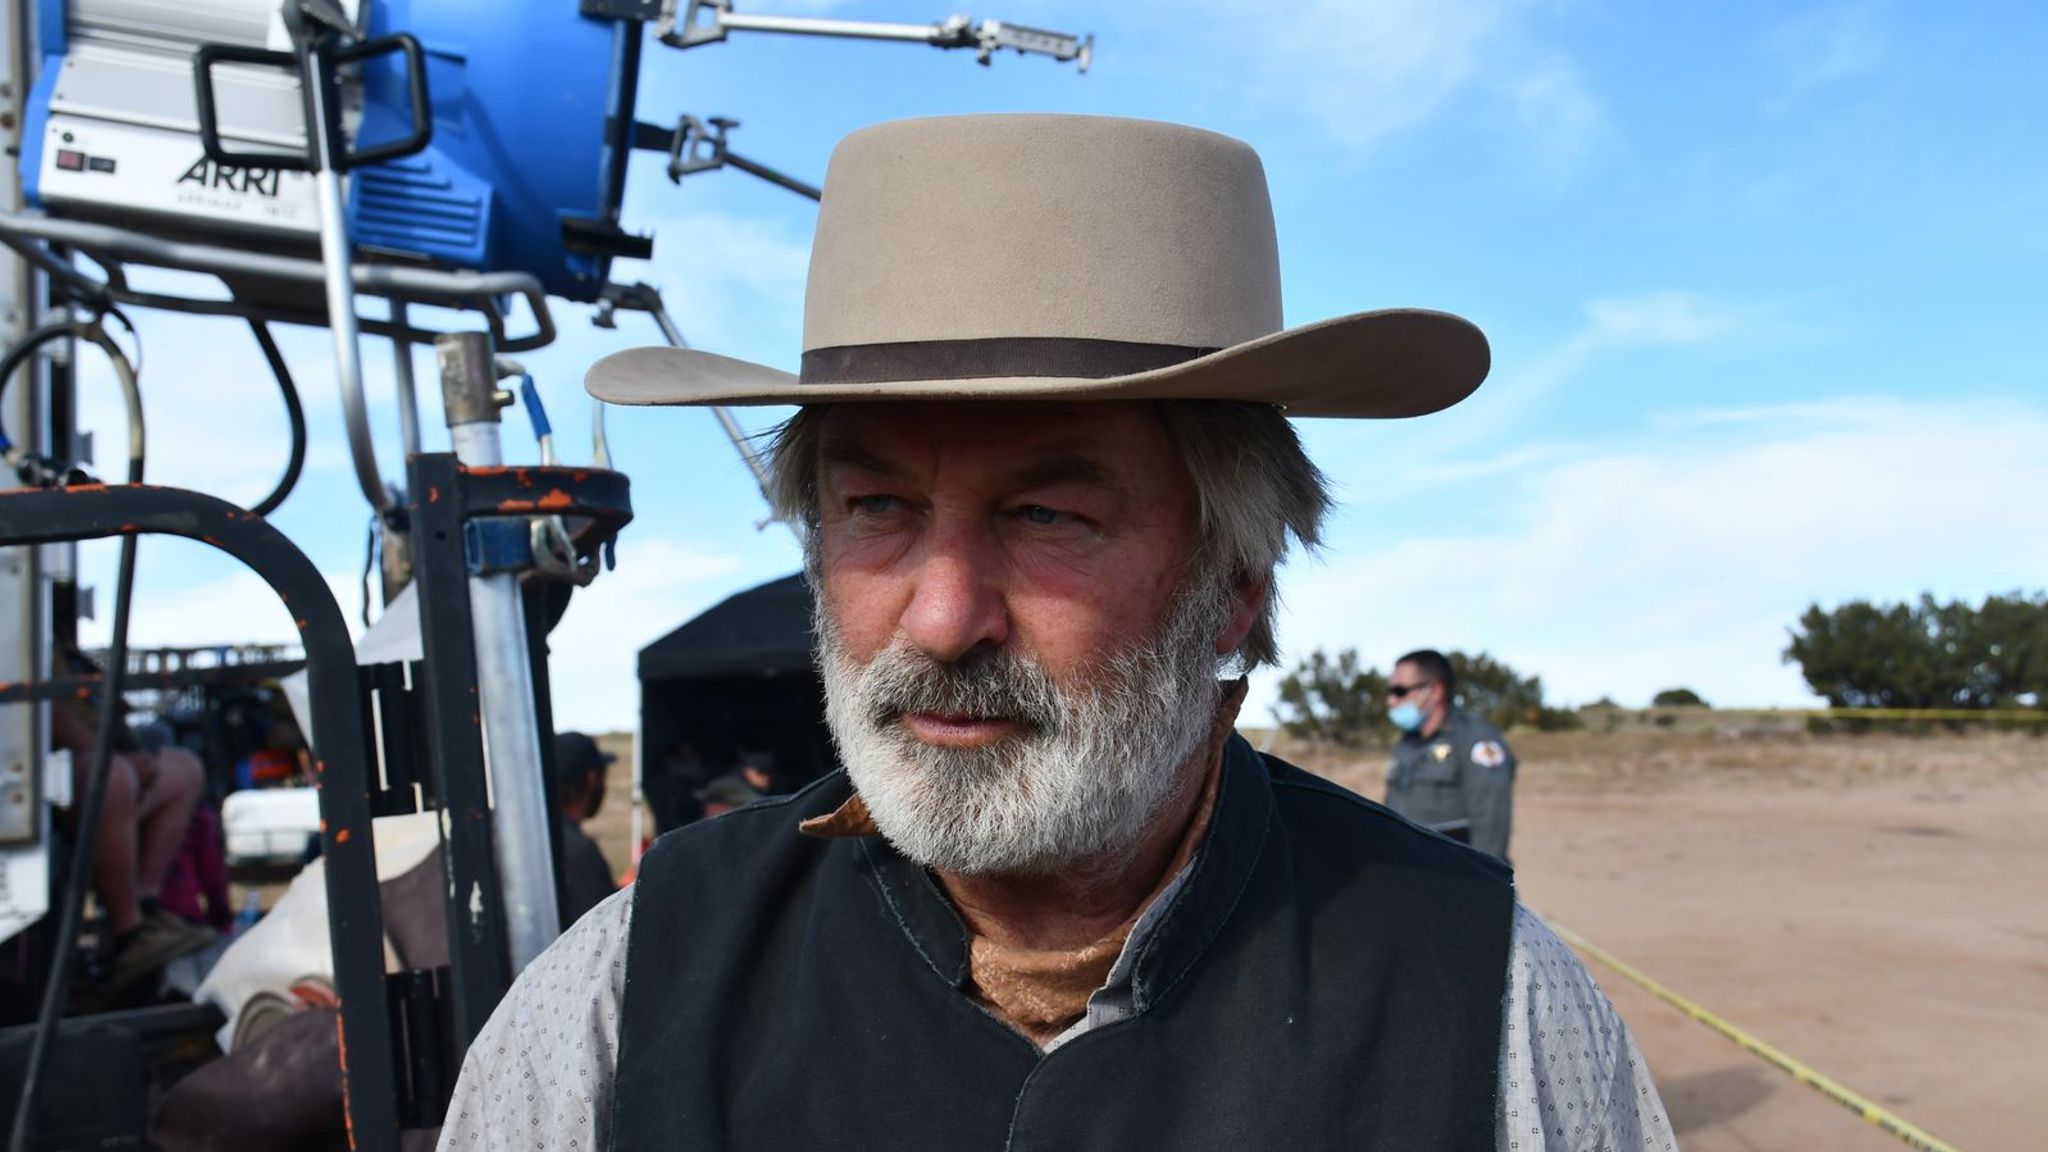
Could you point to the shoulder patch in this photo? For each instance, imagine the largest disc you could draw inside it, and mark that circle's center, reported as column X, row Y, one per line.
column 1440, row 751
column 1489, row 754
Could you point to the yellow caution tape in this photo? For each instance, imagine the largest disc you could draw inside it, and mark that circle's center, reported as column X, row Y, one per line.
column 2036, row 715
column 1854, row 1102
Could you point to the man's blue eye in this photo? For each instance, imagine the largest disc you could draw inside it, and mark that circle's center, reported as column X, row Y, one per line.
column 1039, row 514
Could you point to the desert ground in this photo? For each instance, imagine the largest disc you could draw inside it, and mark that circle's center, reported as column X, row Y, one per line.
column 1876, row 906
column 1871, row 905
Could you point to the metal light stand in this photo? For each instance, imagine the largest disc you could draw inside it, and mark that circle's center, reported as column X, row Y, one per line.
column 504, row 666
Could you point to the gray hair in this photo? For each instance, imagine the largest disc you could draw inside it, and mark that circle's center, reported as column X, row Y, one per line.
column 1254, row 485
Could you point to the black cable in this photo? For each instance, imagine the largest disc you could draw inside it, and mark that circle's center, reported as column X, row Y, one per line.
column 19, row 354
column 79, row 881
column 371, row 554
column 93, row 332
column 82, row 849
column 99, row 318
column 293, row 411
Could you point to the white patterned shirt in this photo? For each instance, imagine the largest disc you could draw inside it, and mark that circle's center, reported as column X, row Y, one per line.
column 540, row 1073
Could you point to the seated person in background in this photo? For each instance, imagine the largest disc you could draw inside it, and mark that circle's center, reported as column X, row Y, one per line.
column 726, row 793
column 195, row 887
column 281, row 761
column 758, row 770
column 579, row 789
column 671, row 788
column 148, row 805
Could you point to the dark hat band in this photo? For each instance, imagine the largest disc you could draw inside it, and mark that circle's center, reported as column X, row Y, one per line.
column 990, row 358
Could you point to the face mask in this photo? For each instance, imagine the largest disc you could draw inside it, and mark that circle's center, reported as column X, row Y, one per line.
column 1406, row 717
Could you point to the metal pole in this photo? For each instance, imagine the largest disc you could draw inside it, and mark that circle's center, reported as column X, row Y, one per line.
column 751, row 168
column 852, row 29
column 341, row 289
column 397, row 538
column 512, row 753
column 408, row 394
column 24, row 589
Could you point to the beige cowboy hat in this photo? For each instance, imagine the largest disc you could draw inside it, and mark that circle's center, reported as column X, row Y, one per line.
column 1062, row 257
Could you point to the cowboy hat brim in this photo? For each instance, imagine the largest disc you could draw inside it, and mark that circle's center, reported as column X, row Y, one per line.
column 1390, row 363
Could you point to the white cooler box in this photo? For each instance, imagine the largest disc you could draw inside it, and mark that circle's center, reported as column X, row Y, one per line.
column 270, row 825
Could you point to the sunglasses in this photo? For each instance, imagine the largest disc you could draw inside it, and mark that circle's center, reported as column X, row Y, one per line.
column 1401, row 691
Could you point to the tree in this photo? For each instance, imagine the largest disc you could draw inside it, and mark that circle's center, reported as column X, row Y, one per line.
column 1338, row 702
column 1333, row 701
column 1493, row 690
column 1678, row 698
column 2004, row 647
column 1926, row 655
column 1490, row 688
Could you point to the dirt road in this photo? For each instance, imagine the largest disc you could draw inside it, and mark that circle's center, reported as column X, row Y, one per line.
column 1876, row 907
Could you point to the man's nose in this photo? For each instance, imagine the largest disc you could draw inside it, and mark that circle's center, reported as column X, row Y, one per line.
column 958, row 603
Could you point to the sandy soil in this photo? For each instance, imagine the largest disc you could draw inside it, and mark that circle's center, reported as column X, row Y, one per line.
column 1877, row 907
column 612, row 827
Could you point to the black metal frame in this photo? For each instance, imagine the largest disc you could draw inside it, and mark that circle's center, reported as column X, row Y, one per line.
column 33, row 516
column 403, row 1036
column 88, row 686
column 479, row 957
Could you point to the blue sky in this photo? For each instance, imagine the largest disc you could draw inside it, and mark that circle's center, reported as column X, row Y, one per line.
column 1763, row 282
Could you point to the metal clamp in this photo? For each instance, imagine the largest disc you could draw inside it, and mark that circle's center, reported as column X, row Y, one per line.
column 700, row 146
column 554, row 553
column 683, row 24
column 696, row 147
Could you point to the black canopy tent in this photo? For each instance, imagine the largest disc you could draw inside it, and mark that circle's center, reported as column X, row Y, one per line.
column 735, row 680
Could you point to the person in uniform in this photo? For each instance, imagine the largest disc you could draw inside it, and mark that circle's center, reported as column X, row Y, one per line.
column 579, row 790
column 1044, row 480
column 1451, row 772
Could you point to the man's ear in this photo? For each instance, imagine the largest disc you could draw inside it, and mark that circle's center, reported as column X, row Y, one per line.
column 1248, row 598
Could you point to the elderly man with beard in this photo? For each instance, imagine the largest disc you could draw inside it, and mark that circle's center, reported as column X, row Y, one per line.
column 1045, row 474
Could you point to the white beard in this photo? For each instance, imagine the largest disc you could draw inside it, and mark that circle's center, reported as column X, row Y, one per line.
column 1095, row 762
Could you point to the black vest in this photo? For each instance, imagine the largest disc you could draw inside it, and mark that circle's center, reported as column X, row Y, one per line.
column 1329, row 976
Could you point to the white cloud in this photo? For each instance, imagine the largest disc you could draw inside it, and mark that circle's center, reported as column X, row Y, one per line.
column 234, row 608
column 592, row 663
column 735, row 284
column 1559, row 118
column 1619, row 323
column 1613, row 326
column 1375, row 71
column 1821, row 49
column 1513, row 460
column 1655, row 318
column 1684, row 561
